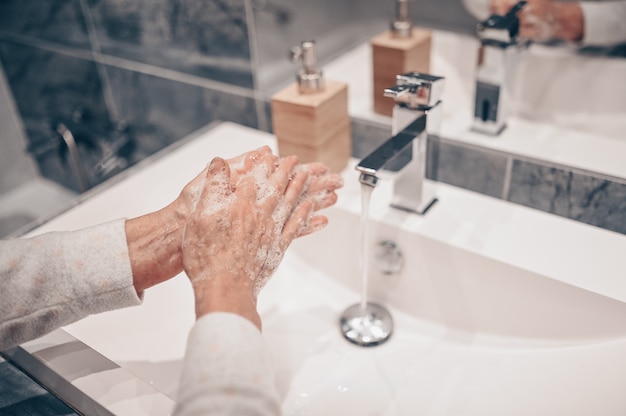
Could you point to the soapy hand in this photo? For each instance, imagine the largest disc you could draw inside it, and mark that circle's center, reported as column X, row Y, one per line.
column 155, row 239
column 543, row 20
column 320, row 187
column 246, row 215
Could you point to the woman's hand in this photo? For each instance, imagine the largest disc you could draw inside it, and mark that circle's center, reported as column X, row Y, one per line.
column 155, row 239
column 320, row 187
column 543, row 20
column 242, row 223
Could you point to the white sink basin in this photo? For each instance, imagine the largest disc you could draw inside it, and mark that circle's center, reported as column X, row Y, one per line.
column 499, row 310
column 473, row 336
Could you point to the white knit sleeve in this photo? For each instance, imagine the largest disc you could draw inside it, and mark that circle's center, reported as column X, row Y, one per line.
column 605, row 22
column 57, row 278
column 227, row 370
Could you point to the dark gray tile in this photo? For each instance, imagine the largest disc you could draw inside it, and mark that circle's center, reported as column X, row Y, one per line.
column 60, row 22
column 443, row 14
column 467, row 168
column 49, row 86
column 161, row 111
column 472, row 169
column 20, row 395
column 204, row 38
column 366, row 137
column 577, row 196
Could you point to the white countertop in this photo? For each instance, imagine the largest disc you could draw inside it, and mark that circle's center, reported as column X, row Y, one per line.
column 567, row 251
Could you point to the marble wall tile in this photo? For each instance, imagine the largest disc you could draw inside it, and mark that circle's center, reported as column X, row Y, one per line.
column 158, row 111
column 581, row 197
column 474, row 169
column 366, row 137
column 60, row 22
column 49, row 87
column 576, row 195
column 199, row 37
column 443, row 14
column 16, row 168
column 161, row 111
column 468, row 168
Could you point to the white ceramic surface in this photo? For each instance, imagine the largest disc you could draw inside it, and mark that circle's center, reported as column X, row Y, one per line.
column 499, row 309
column 473, row 336
column 36, row 199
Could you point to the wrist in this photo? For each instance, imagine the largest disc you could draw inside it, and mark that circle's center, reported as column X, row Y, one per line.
column 154, row 245
column 211, row 298
column 570, row 22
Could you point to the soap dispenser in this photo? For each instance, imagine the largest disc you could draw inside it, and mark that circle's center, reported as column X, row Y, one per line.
column 401, row 49
column 310, row 117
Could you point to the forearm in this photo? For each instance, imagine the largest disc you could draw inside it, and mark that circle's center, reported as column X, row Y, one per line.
column 154, row 246
column 571, row 25
column 57, row 278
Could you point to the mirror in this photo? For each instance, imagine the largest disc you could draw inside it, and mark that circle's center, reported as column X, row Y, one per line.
column 571, row 98
column 169, row 71
column 337, row 27
column 25, row 196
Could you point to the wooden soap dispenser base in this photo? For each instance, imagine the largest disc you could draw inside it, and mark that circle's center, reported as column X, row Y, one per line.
column 310, row 117
column 401, row 49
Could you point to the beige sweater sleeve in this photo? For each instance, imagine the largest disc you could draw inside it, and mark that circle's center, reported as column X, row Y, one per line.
column 605, row 22
column 57, row 278
column 227, row 370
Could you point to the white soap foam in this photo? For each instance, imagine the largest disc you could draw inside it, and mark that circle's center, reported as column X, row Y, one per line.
column 270, row 256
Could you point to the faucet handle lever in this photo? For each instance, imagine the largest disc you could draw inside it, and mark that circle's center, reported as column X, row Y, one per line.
column 398, row 91
column 502, row 31
column 416, row 90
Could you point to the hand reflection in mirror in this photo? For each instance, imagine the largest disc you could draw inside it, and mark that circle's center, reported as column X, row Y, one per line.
column 584, row 23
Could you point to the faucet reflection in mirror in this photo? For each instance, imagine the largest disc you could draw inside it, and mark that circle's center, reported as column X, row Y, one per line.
column 499, row 53
column 91, row 155
column 416, row 115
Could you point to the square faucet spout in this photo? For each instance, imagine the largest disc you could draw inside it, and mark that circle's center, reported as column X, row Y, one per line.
column 415, row 116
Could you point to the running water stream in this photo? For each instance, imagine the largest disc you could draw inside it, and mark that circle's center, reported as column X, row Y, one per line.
column 366, row 196
column 366, row 324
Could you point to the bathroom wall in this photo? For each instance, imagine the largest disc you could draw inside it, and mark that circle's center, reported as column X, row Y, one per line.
column 15, row 167
column 583, row 196
column 163, row 67
column 169, row 67
column 335, row 25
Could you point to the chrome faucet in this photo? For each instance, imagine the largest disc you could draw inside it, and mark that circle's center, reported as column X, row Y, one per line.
column 499, row 53
column 111, row 149
column 76, row 161
column 416, row 115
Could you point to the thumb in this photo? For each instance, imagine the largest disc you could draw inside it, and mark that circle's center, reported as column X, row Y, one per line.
column 216, row 185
